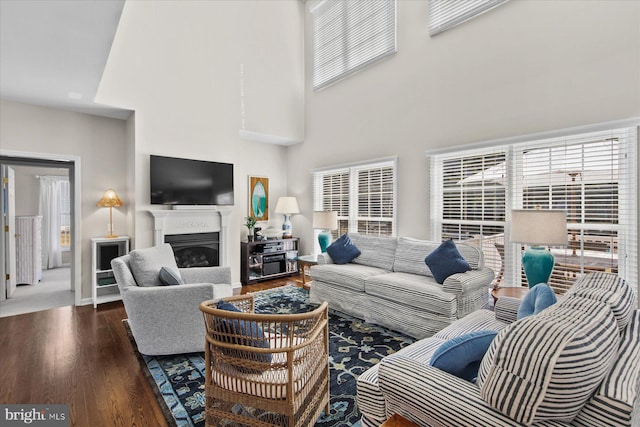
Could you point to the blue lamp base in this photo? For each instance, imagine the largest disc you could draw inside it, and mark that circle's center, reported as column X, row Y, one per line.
column 324, row 239
column 537, row 263
column 286, row 226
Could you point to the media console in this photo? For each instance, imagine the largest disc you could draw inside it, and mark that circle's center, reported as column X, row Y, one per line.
column 268, row 259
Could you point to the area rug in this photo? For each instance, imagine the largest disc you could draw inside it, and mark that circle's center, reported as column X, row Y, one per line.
column 354, row 346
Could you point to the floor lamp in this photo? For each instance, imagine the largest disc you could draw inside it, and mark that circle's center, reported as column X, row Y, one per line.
column 325, row 221
column 110, row 199
column 538, row 228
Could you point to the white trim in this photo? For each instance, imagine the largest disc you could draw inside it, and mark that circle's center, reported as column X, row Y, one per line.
column 76, row 244
column 266, row 138
column 371, row 163
column 603, row 126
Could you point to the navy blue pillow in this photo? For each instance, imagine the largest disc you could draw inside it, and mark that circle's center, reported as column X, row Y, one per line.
column 251, row 334
column 445, row 261
column 170, row 277
column 537, row 299
column 343, row 250
column 461, row 356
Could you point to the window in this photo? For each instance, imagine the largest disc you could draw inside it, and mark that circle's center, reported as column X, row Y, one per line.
column 65, row 215
column 364, row 195
column 591, row 176
column 349, row 35
column 445, row 14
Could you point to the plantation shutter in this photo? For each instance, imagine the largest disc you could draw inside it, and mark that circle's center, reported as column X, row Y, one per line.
column 363, row 194
column 469, row 199
column 349, row 35
column 445, row 14
column 591, row 179
column 591, row 176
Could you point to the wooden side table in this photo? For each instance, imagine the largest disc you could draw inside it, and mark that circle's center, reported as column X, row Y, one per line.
column 516, row 292
column 398, row 421
column 305, row 262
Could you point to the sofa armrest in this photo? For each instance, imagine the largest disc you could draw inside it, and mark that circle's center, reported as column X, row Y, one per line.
column 324, row 258
column 467, row 282
column 429, row 396
column 206, row 275
column 506, row 309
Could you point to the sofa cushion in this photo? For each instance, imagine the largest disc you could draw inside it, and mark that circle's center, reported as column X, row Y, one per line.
column 242, row 333
column 170, row 277
column 546, row 366
column 413, row 290
column 445, row 261
column 146, row 263
column 350, row 276
column 610, row 289
column 537, row 299
column 461, row 356
column 343, row 250
column 376, row 251
column 410, row 256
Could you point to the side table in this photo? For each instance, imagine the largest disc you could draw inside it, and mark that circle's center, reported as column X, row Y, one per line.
column 305, row 262
column 398, row 421
column 515, row 292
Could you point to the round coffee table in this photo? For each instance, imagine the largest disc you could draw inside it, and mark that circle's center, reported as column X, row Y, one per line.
column 515, row 292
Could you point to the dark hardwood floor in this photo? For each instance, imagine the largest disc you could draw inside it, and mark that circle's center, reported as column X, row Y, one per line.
column 82, row 357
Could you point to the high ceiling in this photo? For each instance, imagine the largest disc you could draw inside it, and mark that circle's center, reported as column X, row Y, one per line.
column 53, row 52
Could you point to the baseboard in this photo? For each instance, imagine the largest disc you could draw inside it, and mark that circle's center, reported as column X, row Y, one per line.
column 86, row 301
column 236, row 285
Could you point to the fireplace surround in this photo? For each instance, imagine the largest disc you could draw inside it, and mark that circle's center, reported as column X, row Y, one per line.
column 190, row 224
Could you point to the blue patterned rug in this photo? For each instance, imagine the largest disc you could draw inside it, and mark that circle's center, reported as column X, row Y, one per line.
column 354, row 346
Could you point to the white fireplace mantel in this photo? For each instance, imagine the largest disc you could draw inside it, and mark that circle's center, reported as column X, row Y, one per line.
column 186, row 221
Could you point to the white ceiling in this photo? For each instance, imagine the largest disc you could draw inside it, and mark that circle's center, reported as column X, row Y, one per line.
column 53, row 52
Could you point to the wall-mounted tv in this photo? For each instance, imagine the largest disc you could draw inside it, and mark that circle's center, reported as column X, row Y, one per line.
column 176, row 181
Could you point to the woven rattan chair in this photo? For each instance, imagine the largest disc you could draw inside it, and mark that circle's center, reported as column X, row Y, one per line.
column 265, row 369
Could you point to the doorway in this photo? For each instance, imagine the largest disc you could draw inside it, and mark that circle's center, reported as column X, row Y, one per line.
column 57, row 282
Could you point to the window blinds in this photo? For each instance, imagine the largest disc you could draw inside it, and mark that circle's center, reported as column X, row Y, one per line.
column 445, row 14
column 349, row 35
column 364, row 196
column 591, row 176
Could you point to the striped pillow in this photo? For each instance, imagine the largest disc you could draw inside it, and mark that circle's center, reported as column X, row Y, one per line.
column 611, row 290
column 546, row 366
column 376, row 251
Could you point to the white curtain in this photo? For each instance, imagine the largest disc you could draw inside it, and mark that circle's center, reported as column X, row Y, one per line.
column 50, row 212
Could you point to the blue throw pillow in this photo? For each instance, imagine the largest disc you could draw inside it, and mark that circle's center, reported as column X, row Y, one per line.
column 537, row 299
column 343, row 250
column 170, row 277
column 445, row 261
column 246, row 333
column 461, row 356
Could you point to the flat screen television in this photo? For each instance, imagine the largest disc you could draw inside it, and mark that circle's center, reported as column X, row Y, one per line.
column 176, row 181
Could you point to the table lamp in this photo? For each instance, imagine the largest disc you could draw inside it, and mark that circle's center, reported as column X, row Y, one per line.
column 537, row 228
column 325, row 221
column 287, row 206
column 110, row 199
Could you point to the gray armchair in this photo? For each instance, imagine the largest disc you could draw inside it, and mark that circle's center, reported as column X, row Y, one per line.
column 167, row 319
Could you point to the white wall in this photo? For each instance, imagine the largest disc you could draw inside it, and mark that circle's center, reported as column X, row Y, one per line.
column 178, row 65
column 525, row 67
column 28, row 187
column 98, row 141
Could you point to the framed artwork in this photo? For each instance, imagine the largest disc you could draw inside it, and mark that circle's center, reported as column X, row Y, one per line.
column 259, row 197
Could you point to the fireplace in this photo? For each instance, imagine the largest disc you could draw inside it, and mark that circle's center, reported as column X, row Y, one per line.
column 195, row 249
column 188, row 223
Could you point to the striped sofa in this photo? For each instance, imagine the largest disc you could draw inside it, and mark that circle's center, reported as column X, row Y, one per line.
column 577, row 363
column 389, row 284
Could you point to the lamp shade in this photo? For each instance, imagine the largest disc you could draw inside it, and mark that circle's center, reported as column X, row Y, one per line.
column 110, row 200
column 539, row 227
column 325, row 220
column 287, row 205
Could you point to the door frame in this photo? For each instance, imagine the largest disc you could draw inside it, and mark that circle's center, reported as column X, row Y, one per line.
column 20, row 158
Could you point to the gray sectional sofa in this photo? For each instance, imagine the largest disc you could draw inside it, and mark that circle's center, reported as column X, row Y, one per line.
column 588, row 344
column 389, row 284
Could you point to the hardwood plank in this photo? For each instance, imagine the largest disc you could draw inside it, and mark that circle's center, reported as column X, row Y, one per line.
column 83, row 357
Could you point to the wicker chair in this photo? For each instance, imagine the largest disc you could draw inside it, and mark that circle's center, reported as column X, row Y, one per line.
column 275, row 375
